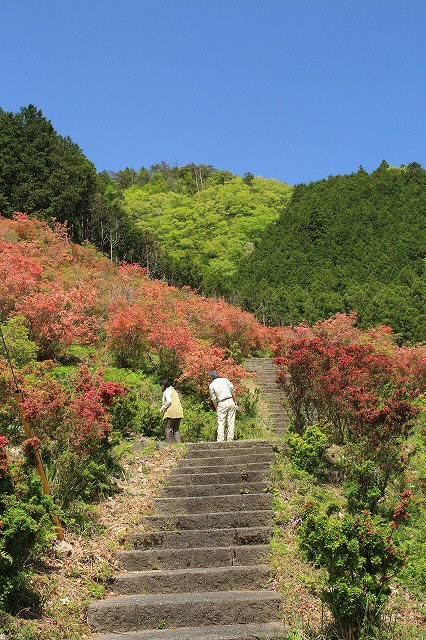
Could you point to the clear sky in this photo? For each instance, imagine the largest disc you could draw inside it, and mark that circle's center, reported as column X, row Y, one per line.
column 290, row 89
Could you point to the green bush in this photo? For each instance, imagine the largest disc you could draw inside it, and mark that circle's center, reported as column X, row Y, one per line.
column 149, row 420
column 139, row 410
column 199, row 423
column 78, row 477
column 248, row 402
column 413, row 574
column 360, row 555
column 308, row 450
column 125, row 414
column 25, row 525
column 16, row 333
column 364, row 486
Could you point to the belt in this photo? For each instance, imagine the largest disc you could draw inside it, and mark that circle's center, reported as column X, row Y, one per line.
column 223, row 399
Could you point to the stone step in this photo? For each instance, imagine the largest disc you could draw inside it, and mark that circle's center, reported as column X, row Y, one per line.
column 192, row 490
column 234, row 444
column 186, row 538
column 229, row 453
column 138, row 560
column 219, row 520
column 269, row 631
column 247, row 466
column 203, row 504
column 223, row 460
column 266, row 372
column 222, row 477
column 229, row 578
column 137, row 612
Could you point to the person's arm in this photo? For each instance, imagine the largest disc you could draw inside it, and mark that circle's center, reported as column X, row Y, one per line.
column 167, row 400
column 213, row 396
column 232, row 391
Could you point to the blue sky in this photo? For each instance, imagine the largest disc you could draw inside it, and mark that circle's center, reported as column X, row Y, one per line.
column 289, row 89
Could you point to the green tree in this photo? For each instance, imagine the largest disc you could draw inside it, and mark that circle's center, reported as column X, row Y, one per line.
column 42, row 172
column 353, row 242
column 208, row 228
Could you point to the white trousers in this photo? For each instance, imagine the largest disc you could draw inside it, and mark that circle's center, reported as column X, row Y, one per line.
column 226, row 411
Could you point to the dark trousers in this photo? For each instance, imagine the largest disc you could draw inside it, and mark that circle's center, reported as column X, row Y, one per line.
column 171, row 427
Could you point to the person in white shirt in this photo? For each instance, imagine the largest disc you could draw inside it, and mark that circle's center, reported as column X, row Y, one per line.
column 223, row 398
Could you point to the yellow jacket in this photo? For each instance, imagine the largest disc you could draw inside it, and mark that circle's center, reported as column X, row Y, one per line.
column 174, row 408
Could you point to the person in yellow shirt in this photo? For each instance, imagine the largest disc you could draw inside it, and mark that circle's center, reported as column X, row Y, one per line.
column 171, row 410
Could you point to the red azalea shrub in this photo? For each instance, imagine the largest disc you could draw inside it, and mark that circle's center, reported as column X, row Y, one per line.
column 400, row 512
column 57, row 318
column 30, row 446
column 341, row 374
column 127, row 332
column 3, row 455
column 71, row 294
column 72, row 423
column 19, row 276
column 226, row 326
column 199, row 362
column 363, row 384
column 75, row 417
column 142, row 330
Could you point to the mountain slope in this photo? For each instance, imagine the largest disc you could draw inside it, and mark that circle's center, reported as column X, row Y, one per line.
column 352, row 242
column 204, row 236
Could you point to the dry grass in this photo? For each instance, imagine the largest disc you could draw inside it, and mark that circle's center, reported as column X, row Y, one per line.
column 295, row 578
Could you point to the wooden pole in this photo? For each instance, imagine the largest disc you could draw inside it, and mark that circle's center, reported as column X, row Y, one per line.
column 19, row 398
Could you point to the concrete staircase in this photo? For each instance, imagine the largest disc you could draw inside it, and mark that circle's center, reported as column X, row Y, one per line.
column 199, row 569
column 266, row 371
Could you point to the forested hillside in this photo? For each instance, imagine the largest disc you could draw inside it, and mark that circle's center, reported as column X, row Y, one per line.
column 352, row 242
column 347, row 243
column 203, row 236
column 190, row 224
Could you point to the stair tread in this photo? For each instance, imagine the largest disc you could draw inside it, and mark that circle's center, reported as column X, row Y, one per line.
column 207, row 550
column 220, row 632
column 171, row 558
column 214, row 519
column 185, row 538
column 237, row 487
column 189, row 596
column 210, row 529
column 195, row 570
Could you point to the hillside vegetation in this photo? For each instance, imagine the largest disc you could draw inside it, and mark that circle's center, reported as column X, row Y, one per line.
column 353, row 242
column 89, row 341
column 347, row 243
column 203, row 237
